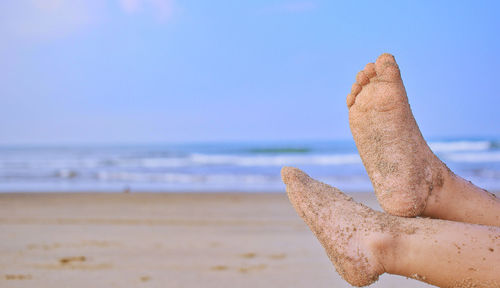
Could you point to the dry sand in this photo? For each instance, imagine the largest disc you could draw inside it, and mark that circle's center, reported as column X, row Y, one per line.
column 163, row 240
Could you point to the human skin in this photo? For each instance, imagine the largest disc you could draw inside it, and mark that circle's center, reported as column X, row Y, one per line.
column 408, row 179
column 363, row 243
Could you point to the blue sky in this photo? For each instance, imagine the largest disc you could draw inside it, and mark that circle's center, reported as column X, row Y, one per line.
column 92, row 71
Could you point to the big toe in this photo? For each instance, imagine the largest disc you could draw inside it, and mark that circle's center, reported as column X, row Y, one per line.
column 305, row 192
column 386, row 68
column 291, row 175
column 297, row 184
column 385, row 58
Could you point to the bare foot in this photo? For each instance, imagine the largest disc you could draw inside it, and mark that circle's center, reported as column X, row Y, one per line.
column 403, row 170
column 353, row 235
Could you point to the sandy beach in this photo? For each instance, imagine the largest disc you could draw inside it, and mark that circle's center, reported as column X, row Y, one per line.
column 163, row 240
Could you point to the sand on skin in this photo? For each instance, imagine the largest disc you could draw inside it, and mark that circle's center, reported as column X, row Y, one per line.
column 163, row 240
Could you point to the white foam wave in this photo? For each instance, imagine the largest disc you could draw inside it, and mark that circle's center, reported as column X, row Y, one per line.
column 331, row 159
column 473, row 157
column 45, row 163
column 77, row 168
column 164, row 162
column 185, row 178
column 66, row 173
column 240, row 160
column 460, row 146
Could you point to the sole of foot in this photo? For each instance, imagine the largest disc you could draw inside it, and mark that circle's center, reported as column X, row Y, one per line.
column 403, row 169
column 355, row 237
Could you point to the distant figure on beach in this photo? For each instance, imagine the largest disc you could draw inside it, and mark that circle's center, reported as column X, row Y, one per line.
column 456, row 240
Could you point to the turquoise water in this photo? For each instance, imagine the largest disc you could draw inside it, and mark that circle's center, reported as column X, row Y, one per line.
column 251, row 167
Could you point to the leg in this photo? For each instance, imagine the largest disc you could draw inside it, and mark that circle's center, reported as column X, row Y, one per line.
column 446, row 254
column 363, row 243
column 408, row 179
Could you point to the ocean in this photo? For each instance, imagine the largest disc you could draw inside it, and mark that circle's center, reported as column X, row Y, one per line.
column 208, row 167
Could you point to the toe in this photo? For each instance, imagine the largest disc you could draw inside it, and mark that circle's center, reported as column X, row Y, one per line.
column 370, row 70
column 350, row 100
column 389, row 73
column 386, row 68
column 362, row 79
column 298, row 189
column 355, row 89
column 385, row 58
column 291, row 175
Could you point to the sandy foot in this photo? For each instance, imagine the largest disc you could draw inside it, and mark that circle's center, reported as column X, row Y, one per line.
column 403, row 170
column 354, row 236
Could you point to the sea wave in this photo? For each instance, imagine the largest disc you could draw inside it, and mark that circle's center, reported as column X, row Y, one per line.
column 478, row 157
column 278, row 160
column 220, row 167
column 185, row 178
column 460, row 146
column 198, row 159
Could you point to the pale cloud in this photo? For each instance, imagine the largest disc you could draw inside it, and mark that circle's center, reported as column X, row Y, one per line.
column 130, row 6
column 161, row 9
column 49, row 19
column 42, row 19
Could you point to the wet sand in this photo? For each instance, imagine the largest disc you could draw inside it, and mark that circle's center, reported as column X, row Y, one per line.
column 163, row 240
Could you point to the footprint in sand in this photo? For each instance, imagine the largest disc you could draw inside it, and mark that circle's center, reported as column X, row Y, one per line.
column 68, row 260
column 252, row 268
column 245, row 269
column 18, row 277
column 248, row 255
column 219, row 268
column 278, row 256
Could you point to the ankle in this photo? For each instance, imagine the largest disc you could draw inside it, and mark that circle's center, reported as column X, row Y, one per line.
column 384, row 247
column 442, row 182
column 459, row 199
